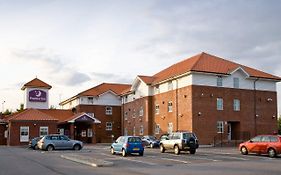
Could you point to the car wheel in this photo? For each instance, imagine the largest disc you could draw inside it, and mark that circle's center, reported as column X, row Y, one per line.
column 244, row 150
column 193, row 151
column 124, row 154
column 162, row 148
column 271, row 152
column 77, row 147
column 50, row 148
column 151, row 145
column 177, row 150
column 36, row 147
column 112, row 151
column 141, row 153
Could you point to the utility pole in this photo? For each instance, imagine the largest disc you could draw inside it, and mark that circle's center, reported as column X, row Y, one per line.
column 3, row 106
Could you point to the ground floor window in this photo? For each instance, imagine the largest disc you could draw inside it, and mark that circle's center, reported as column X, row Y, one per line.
column 90, row 132
column 170, row 127
column 24, row 134
column 108, row 126
column 43, row 130
column 157, row 129
column 219, row 126
column 141, row 130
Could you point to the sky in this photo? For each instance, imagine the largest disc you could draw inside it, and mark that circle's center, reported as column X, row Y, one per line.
column 74, row 45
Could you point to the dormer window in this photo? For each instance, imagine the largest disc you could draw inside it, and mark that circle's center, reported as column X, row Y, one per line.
column 236, row 82
column 156, row 90
column 91, row 100
column 170, row 85
column 219, row 81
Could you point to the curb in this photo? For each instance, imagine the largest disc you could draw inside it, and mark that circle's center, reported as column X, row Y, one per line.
column 87, row 160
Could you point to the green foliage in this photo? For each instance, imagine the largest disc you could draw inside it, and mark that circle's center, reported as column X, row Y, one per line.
column 52, row 107
column 7, row 112
column 279, row 124
column 21, row 107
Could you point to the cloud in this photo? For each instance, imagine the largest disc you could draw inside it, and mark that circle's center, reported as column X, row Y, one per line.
column 76, row 78
column 109, row 77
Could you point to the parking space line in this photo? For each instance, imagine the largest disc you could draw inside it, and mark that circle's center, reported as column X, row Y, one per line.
column 175, row 160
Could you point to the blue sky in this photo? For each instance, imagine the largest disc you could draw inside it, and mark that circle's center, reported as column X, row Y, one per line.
column 74, row 45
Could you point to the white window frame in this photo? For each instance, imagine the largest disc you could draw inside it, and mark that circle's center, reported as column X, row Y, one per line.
column 170, row 106
column 170, row 85
column 90, row 100
column 141, row 130
column 156, row 90
column 108, row 110
column 219, row 81
column 170, row 128
column 24, row 133
column 157, row 109
column 89, row 132
column 236, row 82
column 220, row 127
column 219, row 104
column 157, row 129
column 126, row 116
column 43, row 130
column 236, row 105
column 141, row 111
column 108, row 126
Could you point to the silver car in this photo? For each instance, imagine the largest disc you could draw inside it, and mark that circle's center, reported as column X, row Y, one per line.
column 51, row 142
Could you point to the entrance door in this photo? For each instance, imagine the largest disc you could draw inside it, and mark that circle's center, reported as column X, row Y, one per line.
column 229, row 131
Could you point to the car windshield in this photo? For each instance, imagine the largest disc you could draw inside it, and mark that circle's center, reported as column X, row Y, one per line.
column 152, row 137
column 134, row 139
column 188, row 135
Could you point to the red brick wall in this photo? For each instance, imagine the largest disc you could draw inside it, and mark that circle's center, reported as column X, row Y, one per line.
column 99, row 111
column 3, row 140
column 133, row 118
column 34, row 129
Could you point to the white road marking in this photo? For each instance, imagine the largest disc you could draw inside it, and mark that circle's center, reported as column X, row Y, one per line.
column 175, row 160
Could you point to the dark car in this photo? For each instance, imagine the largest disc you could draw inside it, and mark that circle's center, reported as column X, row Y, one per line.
column 150, row 141
column 51, row 142
column 33, row 142
column 262, row 144
column 127, row 145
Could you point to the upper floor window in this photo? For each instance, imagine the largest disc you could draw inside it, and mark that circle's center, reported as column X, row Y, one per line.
column 236, row 82
column 90, row 100
column 108, row 110
column 141, row 111
column 126, row 116
column 156, row 90
column 236, row 105
column 170, row 85
column 157, row 109
column 219, row 81
column 134, row 113
column 219, row 126
column 219, row 104
column 170, row 106
column 108, row 126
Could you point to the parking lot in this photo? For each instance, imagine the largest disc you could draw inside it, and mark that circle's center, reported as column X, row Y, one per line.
column 205, row 161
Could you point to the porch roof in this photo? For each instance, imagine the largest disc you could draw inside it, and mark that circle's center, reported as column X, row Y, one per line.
column 81, row 117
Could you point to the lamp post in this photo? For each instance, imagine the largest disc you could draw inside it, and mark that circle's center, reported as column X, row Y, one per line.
column 3, row 106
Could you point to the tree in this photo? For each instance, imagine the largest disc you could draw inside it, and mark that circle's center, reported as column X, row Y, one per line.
column 7, row 112
column 279, row 124
column 21, row 107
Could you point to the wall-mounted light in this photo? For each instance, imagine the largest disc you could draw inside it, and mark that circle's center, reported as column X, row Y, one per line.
column 199, row 113
column 34, row 124
column 180, row 115
column 257, row 115
column 202, row 94
column 269, row 99
column 274, row 116
column 211, row 95
column 163, row 117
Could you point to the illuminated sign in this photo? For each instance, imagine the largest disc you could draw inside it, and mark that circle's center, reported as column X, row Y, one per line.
column 37, row 96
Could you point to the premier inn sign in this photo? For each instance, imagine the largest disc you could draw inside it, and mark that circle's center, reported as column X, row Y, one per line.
column 37, row 96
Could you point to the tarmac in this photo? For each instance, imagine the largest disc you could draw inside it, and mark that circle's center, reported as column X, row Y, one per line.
column 86, row 160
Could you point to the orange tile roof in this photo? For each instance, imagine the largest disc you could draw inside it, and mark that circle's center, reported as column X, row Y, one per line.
column 36, row 83
column 59, row 114
column 146, row 79
column 209, row 64
column 31, row 115
column 104, row 87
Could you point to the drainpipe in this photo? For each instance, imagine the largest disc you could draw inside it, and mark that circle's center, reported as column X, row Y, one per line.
column 177, row 106
column 255, row 107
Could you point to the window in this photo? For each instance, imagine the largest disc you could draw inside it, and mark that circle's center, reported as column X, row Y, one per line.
column 236, row 105
column 157, row 129
column 134, row 131
column 219, row 104
column 170, row 128
column 134, row 113
column 156, row 90
column 219, row 81
column 108, row 126
column 157, row 109
column 141, row 130
column 24, row 134
column 126, row 116
column 141, row 111
column 43, row 130
column 108, row 110
column 219, row 126
column 91, row 100
column 170, row 85
column 170, row 106
column 236, row 82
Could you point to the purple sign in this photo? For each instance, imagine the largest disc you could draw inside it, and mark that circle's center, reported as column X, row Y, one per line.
column 84, row 118
column 37, row 96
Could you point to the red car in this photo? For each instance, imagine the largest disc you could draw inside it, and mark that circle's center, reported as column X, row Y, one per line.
column 262, row 144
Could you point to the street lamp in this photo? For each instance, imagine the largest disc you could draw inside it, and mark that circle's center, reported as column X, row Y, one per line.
column 3, row 106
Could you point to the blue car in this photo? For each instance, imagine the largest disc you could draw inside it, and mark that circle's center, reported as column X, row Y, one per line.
column 127, row 145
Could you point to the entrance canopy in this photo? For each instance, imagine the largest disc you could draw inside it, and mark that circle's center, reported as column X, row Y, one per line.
column 82, row 117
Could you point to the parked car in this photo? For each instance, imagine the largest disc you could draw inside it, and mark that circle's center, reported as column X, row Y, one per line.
column 180, row 141
column 33, row 142
column 150, row 141
column 51, row 142
column 262, row 144
column 127, row 145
